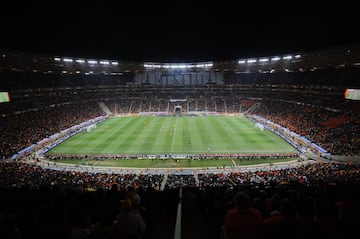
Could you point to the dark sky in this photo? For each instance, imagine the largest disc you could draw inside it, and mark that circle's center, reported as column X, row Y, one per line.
column 173, row 33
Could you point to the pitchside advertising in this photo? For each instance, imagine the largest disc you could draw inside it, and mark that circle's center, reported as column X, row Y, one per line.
column 4, row 97
column 352, row 94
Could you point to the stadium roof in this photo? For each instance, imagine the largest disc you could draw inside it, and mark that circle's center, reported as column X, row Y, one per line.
column 171, row 34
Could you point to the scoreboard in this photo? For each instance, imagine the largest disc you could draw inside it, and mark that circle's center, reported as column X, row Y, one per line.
column 352, row 94
column 4, row 97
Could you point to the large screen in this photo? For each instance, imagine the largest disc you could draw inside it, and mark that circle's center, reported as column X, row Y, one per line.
column 352, row 94
column 4, row 97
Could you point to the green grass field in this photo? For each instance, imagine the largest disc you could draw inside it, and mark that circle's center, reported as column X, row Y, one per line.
column 174, row 135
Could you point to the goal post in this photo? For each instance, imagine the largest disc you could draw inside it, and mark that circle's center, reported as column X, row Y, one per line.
column 90, row 127
column 259, row 126
column 177, row 110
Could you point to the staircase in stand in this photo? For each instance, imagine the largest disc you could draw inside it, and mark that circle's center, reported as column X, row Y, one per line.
column 104, row 108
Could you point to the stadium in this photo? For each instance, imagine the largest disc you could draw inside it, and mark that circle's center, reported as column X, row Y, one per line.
column 181, row 143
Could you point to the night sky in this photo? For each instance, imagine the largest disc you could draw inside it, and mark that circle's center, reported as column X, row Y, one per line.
column 172, row 33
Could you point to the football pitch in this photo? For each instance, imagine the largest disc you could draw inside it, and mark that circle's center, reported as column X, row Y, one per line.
column 153, row 135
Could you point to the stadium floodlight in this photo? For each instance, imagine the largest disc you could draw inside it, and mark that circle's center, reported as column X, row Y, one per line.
column 151, row 65
column 168, row 66
column 289, row 57
column 275, row 58
column 115, row 63
column 264, row 60
column 203, row 65
column 181, row 66
column 67, row 60
column 57, row 59
column 105, row 62
column 241, row 61
column 251, row 60
column 92, row 61
column 80, row 61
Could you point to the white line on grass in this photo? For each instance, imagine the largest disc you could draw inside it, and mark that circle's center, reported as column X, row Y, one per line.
column 172, row 142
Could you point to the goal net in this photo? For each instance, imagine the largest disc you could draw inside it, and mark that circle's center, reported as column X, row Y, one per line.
column 90, row 127
column 259, row 126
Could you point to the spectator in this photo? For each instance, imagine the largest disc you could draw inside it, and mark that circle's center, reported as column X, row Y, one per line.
column 130, row 221
column 243, row 221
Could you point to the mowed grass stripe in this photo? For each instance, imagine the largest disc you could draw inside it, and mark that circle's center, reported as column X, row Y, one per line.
column 147, row 138
column 256, row 140
column 85, row 140
column 264, row 141
column 241, row 130
column 131, row 136
column 167, row 132
column 161, row 137
column 112, row 135
column 173, row 141
column 153, row 135
column 177, row 146
column 186, row 143
column 205, row 135
column 225, row 138
column 195, row 139
column 117, row 133
column 111, row 132
column 211, row 133
column 281, row 143
column 136, row 138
